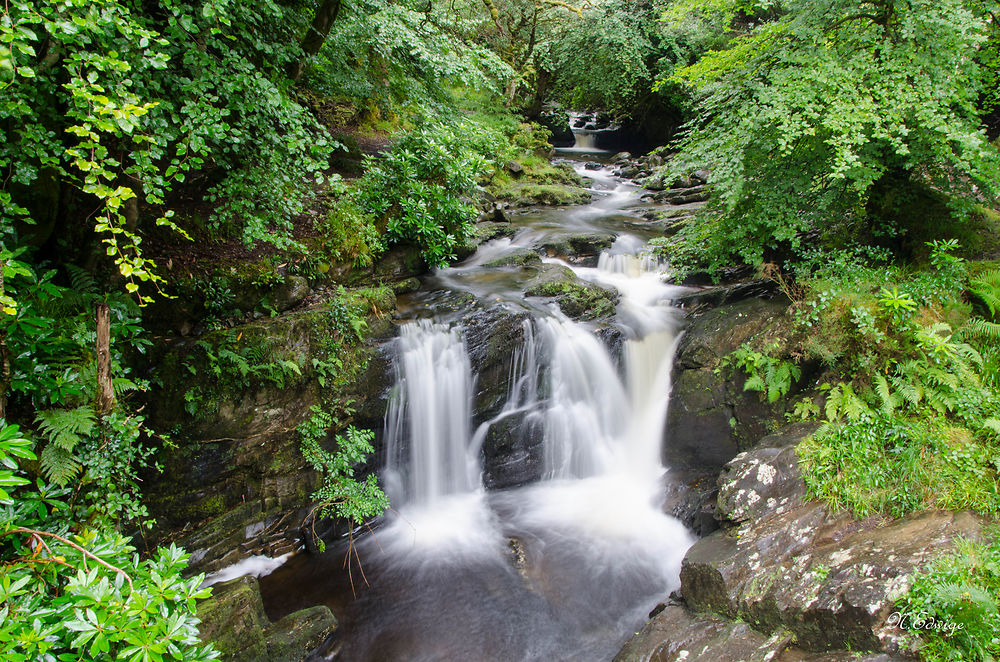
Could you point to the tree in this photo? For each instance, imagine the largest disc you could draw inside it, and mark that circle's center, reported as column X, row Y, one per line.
column 815, row 119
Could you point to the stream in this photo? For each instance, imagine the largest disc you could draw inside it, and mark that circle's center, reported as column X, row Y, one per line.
column 567, row 567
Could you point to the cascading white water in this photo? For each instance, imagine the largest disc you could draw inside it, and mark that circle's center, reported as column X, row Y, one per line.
column 559, row 570
column 427, row 423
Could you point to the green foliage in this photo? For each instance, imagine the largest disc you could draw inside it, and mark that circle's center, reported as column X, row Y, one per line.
column 51, row 337
column 122, row 104
column 618, row 39
column 985, row 288
column 960, row 591
column 770, row 376
column 825, row 117
column 896, row 464
column 341, row 495
column 418, row 190
column 73, row 591
column 383, row 55
column 12, row 445
column 65, row 428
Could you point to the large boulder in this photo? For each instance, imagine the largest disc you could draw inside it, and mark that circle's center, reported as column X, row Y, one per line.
column 791, row 564
column 676, row 635
column 711, row 418
column 234, row 620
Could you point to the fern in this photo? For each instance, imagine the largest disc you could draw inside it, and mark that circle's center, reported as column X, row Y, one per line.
column 986, row 288
column 66, row 427
column 889, row 402
column 843, row 402
column 982, row 330
column 59, row 465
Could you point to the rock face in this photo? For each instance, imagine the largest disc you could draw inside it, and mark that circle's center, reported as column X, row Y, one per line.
column 711, row 418
column 793, row 571
column 234, row 619
column 576, row 298
column 676, row 635
column 235, row 483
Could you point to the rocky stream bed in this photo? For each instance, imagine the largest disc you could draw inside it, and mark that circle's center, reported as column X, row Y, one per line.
column 772, row 575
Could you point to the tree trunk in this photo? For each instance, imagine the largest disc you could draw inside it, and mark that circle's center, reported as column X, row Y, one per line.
column 326, row 14
column 105, row 389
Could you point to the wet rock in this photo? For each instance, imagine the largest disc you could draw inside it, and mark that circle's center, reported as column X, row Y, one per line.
column 518, row 258
column 290, row 293
column 514, row 452
column 828, row 579
column 711, row 418
column 630, row 172
column 591, row 165
column 489, row 230
column 676, row 635
column 234, row 619
column 721, row 294
column 580, row 248
column 621, row 157
column 491, row 335
column 576, row 298
column 691, row 496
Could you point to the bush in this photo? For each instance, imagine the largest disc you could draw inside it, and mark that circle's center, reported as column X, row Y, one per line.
column 420, row 190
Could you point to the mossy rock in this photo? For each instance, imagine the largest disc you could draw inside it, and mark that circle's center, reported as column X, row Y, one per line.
column 233, row 618
column 576, row 298
column 519, row 258
column 526, row 195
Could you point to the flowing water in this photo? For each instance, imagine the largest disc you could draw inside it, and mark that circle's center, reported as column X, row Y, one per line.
column 566, row 568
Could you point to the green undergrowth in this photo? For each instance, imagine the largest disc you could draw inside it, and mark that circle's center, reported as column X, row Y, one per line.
column 323, row 344
column 909, row 392
column 954, row 605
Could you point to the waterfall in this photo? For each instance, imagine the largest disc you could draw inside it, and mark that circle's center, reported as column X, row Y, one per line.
column 428, row 420
column 584, row 140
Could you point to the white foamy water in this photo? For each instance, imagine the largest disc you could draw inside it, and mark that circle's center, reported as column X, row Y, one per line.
column 566, row 568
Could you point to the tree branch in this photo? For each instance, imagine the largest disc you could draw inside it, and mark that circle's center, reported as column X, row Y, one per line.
column 99, row 560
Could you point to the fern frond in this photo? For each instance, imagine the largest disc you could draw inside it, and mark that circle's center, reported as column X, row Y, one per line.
column 81, row 281
column 986, row 288
column 66, row 427
column 992, row 425
column 58, row 464
column 887, row 400
column 982, row 330
column 123, row 385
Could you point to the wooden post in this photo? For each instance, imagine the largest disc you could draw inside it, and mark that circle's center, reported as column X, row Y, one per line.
column 105, row 389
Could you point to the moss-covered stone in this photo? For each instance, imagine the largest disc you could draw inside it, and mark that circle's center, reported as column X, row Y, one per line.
column 526, row 195
column 519, row 258
column 235, row 621
column 576, row 298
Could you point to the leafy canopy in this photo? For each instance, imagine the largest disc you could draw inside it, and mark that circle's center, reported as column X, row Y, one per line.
column 808, row 119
